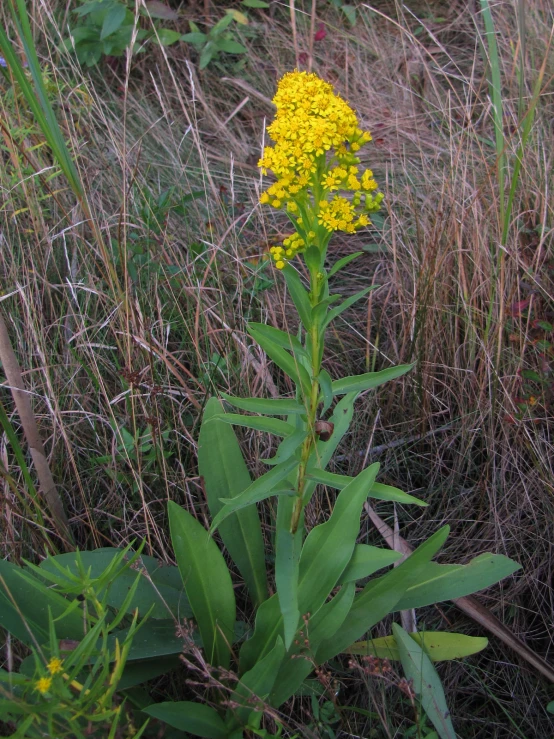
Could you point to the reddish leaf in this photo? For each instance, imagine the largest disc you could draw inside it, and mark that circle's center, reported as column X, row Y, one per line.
column 321, row 33
column 516, row 309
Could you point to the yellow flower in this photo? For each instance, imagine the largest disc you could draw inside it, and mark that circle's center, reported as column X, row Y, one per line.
column 43, row 685
column 54, row 666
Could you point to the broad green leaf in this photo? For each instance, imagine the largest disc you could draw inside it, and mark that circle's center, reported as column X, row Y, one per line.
column 268, row 626
column 346, row 304
column 439, row 645
column 154, row 640
column 378, row 491
column 328, row 547
column 323, row 625
column 207, row 583
column 255, row 4
column 262, row 488
column 258, row 683
column 160, row 587
column 380, row 596
column 366, row 560
column 426, row 682
column 166, row 36
column 446, row 582
column 350, row 12
column 326, row 385
column 228, row 46
column 33, row 603
column 370, row 380
column 288, row 447
column 287, row 557
column 268, row 406
column 259, row 423
column 299, row 295
column 550, row 707
column 283, row 359
column 113, row 20
column 221, row 25
column 195, row 37
column 228, row 477
column 141, row 671
column 343, row 262
column 207, row 54
column 281, row 338
column 198, row 719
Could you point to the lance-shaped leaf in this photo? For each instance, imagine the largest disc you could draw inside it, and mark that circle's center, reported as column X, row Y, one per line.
column 380, row 596
column 341, row 263
column 197, row 719
column 288, row 447
column 366, row 560
column 299, row 295
column 326, row 384
column 289, row 364
column 370, row 380
column 446, row 582
column 268, row 406
column 426, row 683
column 269, row 625
column 225, row 474
column 287, row 557
column 281, row 338
column 328, row 547
column 323, row 625
column 378, row 491
column 259, row 490
column 207, row 583
column 346, row 304
column 258, row 423
column 257, row 683
column 439, row 645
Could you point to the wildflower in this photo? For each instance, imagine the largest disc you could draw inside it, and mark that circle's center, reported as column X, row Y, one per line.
column 43, row 685
column 54, row 666
column 316, row 138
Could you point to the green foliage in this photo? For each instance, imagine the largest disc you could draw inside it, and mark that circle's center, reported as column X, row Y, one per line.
column 219, row 39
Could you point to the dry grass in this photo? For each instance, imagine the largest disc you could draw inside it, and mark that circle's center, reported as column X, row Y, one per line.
column 145, row 354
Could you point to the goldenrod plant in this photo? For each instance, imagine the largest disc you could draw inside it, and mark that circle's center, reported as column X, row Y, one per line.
column 326, row 597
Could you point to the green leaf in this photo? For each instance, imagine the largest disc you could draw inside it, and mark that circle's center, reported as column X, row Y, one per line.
column 323, row 625
column 380, row 596
column 269, row 406
column 255, row 4
column 262, row 488
column 241, row 532
column 439, row 645
column 282, row 359
column 346, row 304
column 370, row 380
column 343, row 262
column 259, row 423
column 166, row 37
column 207, row 54
column 268, row 626
column 328, row 547
column 350, row 12
column 258, row 682
column 446, row 582
column 287, row 557
column 326, row 385
column 366, row 560
column 194, row 38
column 550, row 707
column 196, row 718
column 207, row 583
column 299, row 295
column 426, row 682
column 154, row 639
column 221, row 25
column 281, row 338
column 288, row 447
column 113, row 20
column 378, row 491
column 141, row 671
column 228, row 46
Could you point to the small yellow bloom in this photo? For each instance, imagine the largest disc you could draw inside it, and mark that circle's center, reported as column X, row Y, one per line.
column 54, row 666
column 43, row 685
column 280, row 264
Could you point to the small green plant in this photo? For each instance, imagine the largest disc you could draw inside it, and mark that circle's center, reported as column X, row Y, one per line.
column 220, row 38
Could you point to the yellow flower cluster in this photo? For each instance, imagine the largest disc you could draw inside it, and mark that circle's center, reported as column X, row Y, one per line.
column 317, row 137
column 43, row 685
column 292, row 246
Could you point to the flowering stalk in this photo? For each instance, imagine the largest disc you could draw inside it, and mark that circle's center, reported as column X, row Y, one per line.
column 320, row 188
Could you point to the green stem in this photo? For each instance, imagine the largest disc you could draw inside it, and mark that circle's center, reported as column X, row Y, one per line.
column 311, row 438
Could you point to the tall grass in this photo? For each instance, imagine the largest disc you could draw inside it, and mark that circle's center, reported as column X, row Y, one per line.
column 126, row 314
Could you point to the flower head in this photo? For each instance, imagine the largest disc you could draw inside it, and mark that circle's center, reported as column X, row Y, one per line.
column 317, row 137
column 54, row 666
column 43, row 685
